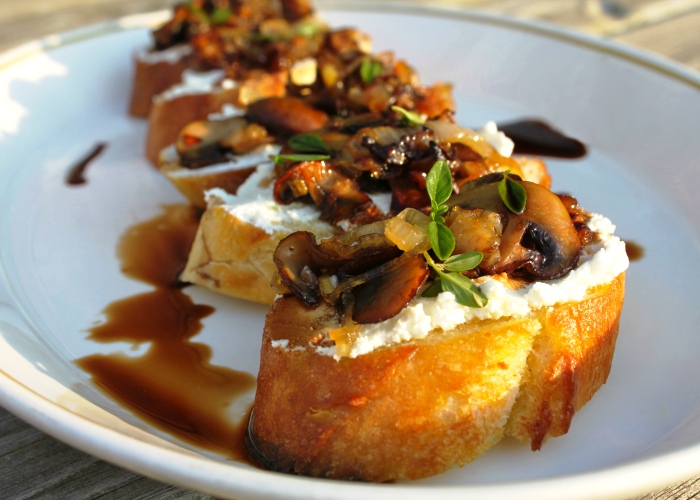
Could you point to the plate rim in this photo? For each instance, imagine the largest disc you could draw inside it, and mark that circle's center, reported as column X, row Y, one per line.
column 635, row 477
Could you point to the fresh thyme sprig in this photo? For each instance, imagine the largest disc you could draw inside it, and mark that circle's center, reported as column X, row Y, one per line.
column 512, row 194
column 410, row 117
column 221, row 15
column 370, row 69
column 449, row 271
column 308, row 143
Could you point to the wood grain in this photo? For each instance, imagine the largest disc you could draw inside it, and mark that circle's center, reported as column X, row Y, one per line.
column 34, row 465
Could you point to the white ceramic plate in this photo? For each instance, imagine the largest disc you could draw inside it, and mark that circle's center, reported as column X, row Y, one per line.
column 639, row 115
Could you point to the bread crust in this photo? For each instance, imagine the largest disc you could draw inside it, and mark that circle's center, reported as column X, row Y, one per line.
column 407, row 412
column 152, row 78
column 568, row 363
column 423, row 407
column 196, row 183
column 233, row 257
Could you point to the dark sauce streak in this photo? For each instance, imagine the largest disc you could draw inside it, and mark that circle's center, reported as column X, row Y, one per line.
column 76, row 174
column 634, row 251
column 534, row 137
column 172, row 386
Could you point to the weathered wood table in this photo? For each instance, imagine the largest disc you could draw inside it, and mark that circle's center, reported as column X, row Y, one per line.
column 34, row 465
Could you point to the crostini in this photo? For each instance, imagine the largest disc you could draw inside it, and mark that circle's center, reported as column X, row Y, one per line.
column 387, row 357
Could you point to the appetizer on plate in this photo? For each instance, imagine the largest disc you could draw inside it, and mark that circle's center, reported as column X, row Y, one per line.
column 205, row 41
column 237, row 53
column 430, row 293
column 409, row 346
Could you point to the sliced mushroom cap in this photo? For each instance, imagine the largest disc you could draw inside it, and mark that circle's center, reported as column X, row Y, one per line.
column 200, row 141
column 296, row 9
column 383, row 297
column 301, row 261
column 369, row 274
column 286, row 115
column 296, row 265
column 453, row 134
column 541, row 241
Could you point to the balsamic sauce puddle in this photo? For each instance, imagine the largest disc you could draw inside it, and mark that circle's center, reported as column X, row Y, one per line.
column 535, row 137
column 76, row 174
column 172, row 386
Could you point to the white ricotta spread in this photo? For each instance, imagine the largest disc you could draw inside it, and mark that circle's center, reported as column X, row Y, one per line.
column 254, row 203
column 228, row 110
column 382, row 201
column 500, row 141
column 193, row 82
column 284, row 345
column 170, row 55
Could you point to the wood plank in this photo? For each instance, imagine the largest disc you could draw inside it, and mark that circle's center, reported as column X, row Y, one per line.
column 34, row 465
column 677, row 38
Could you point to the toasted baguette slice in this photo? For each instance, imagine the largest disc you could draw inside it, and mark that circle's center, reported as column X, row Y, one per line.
column 228, row 176
column 155, row 72
column 234, row 257
column 194, row 184
column 570, row 360
column 419, row 408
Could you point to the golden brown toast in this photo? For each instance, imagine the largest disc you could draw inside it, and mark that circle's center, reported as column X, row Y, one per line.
column 232, row 257
column 425, row 406
column 570, row 360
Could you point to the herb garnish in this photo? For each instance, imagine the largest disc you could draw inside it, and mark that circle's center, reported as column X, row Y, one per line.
column 281, row 159
column 197, row 11
column 307, row 29
column 308, row 143
column 449, row 272
column 309, row 147
column 370, row 69
column 512, row 193
column 411, row 117
column 220, row 15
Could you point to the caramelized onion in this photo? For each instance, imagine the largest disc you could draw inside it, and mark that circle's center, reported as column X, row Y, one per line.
column 409, row 231
column 447, row 132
